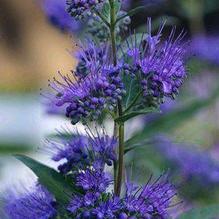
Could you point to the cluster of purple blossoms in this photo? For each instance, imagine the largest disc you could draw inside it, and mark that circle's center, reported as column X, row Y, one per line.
column 185, row 158
column 86, row 99
column 148, row 202
column 56, row 12
column 79, row 8
column 38, row 204
column 81, row 152
column 87, row 156
column 160, row 65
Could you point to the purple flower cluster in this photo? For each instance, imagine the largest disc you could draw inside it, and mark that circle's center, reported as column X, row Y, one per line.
column 82, row 152
column 191, row 161
column 87, row 156
column 152, row 200
column 38, row 204
column 96, row 201
column 87, row 99
column 160, row 65
column 147, row 202
column 79, row 8
column 58, row 16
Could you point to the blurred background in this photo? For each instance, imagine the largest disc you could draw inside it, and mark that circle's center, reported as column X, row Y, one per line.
column 184, row 139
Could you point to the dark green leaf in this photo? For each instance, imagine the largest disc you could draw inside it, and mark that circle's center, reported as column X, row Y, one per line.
column 172, row 119
column 61, row 187
column 6, row 148
column 209, row 212
column 132, row 86
column 130, row 115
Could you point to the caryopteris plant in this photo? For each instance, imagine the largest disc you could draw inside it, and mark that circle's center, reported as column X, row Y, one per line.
column 119, row 76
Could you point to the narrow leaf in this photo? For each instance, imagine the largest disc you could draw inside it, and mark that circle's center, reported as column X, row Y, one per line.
column 62, row 188
column 131, row 13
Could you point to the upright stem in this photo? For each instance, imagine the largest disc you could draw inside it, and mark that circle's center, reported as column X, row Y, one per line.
column 121, row 160
column 112, row 30
column 118, row 178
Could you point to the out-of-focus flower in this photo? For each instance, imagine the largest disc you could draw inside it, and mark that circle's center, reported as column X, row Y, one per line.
column 36, row 204
column 189, row 161
column 206, row 47
column 56, row 12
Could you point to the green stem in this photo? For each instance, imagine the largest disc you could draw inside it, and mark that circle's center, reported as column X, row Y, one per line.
column 118, row 182
column 115, row 166
column 112, row 30
column 121, row 160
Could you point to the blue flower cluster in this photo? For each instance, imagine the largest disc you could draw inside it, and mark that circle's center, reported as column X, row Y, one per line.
column 159, row 66
column 38, row 204
column 87, row 97
column 80, row 8
column 81, row 152
column 147, row 202
column 97, row 201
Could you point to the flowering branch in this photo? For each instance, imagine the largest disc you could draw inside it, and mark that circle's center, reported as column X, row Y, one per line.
column 104, row 83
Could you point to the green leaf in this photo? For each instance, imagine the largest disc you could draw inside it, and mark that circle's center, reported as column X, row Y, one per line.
column 209, row 212
column 131, row 13
column 130, row 115
column 61, row 187
column 172, row 119
column 10, row 148
column 132, row 86
column 117, row 6
column 106, row 11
